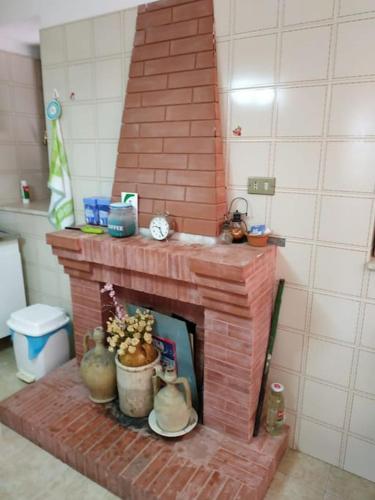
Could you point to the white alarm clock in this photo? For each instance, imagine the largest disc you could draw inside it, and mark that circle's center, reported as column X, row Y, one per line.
column 161, row 227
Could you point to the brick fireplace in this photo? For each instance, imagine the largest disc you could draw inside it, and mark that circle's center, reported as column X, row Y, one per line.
column 170, row 153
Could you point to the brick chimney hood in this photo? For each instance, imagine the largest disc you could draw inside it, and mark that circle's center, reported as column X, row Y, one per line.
column 170, row 149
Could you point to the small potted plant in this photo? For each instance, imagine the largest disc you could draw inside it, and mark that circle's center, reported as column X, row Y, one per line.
column 130, row 337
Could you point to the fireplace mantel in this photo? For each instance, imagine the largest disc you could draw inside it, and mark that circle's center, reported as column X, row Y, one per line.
column 231, row 284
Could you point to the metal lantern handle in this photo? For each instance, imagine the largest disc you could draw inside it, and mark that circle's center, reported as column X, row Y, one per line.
column 236, row 199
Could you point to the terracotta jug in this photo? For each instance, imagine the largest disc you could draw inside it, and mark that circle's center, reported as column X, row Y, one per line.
column 172, row 409
column 98, row 369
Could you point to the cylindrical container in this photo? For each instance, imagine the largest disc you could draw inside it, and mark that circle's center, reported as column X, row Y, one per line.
column 135, row 388
column 103, row 210
column 25, row 192
column 91, row 211
column 121, row 220
column 276, row 410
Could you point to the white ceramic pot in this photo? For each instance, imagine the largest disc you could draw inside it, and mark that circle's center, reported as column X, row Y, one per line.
column 135, row 388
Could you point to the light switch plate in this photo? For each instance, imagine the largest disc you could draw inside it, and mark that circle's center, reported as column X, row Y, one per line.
column 261, row 185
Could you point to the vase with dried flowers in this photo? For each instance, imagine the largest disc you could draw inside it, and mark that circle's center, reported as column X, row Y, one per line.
column 130, row 337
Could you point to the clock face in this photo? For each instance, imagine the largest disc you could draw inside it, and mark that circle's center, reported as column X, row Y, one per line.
column 159, row 227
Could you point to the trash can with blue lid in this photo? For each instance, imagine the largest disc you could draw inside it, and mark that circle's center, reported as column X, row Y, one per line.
column 40, row 336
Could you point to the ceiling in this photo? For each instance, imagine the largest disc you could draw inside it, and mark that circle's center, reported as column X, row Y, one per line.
column 21, row 20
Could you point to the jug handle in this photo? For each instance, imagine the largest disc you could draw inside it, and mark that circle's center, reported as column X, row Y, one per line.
column 156, row 379
column 86, row 339
column 184, row 381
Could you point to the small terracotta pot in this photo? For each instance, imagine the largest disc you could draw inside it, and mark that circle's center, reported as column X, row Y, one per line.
column 257, row 240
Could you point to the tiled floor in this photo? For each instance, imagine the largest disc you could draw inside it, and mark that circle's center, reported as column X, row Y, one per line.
column 27, row 472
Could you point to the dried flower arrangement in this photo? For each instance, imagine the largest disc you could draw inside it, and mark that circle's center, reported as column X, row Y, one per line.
column 130, row 336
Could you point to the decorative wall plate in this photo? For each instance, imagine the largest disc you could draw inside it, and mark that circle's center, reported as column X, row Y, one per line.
column 54, row 110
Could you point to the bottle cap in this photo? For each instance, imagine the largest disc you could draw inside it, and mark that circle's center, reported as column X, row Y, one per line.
column 276, row 387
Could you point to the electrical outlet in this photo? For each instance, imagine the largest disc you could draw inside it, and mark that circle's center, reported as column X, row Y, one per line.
column 261, row 185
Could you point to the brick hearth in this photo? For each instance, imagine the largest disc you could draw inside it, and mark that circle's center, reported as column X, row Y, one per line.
column 56, row 414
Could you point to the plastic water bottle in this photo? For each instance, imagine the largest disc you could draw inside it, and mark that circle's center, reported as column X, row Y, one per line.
column 276, row 410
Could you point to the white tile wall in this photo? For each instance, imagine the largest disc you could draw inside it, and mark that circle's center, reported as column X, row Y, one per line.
column 359, row 458
column 352, row 109
column 334, row 317
column 22, row 154
column 304, row 11
column 295, row 105
column 345, row 220
column 324, row 403
column 305, row 54
column 352, row 55
column 250, row 15
column 253, row 61
column 368, row 329
column 339, row 173
column 319, row 441
column 297, row 164
column 362, row 419
column 329, row 361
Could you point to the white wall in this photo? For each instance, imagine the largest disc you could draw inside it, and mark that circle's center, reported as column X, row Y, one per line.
column 299, row 77
column 90, row 58
column 22, row 152
column 54, row 12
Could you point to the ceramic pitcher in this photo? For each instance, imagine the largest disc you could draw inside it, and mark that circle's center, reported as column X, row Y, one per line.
column 172, row 408
column 98, row 369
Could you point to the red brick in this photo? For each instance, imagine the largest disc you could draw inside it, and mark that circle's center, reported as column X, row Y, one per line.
column 204, row 94
column 130, row 130
column 145, row 205
column 201, row 194
column 133, row 101
column 193, row 78
column 160, row 4
column 160, row 177
column 127, row 160
column 172, row 31
column 203, row 128
column 144, row 83
column 202, row 162
column 136, row 69
column 189, row 178
column 196, row 483
column 193, row 44
column 206, row 59
column 139, row 38
column 191, row 112
column 192, row 10
column 162, row 192
column 206, row 25
column 134, row 175
column 163, row 129
column 142, row 115
column 186, row 145
column 193, row 210
column 167, row 161
column 170, row 64
column 153, row 51
column 164, row 97
column 140, row 145
column 213, row 486
column 157, row 18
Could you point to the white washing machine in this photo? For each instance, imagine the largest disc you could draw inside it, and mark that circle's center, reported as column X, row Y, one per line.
column 12, row 288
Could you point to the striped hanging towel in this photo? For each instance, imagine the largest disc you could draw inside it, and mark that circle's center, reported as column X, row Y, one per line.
column 61, row 210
